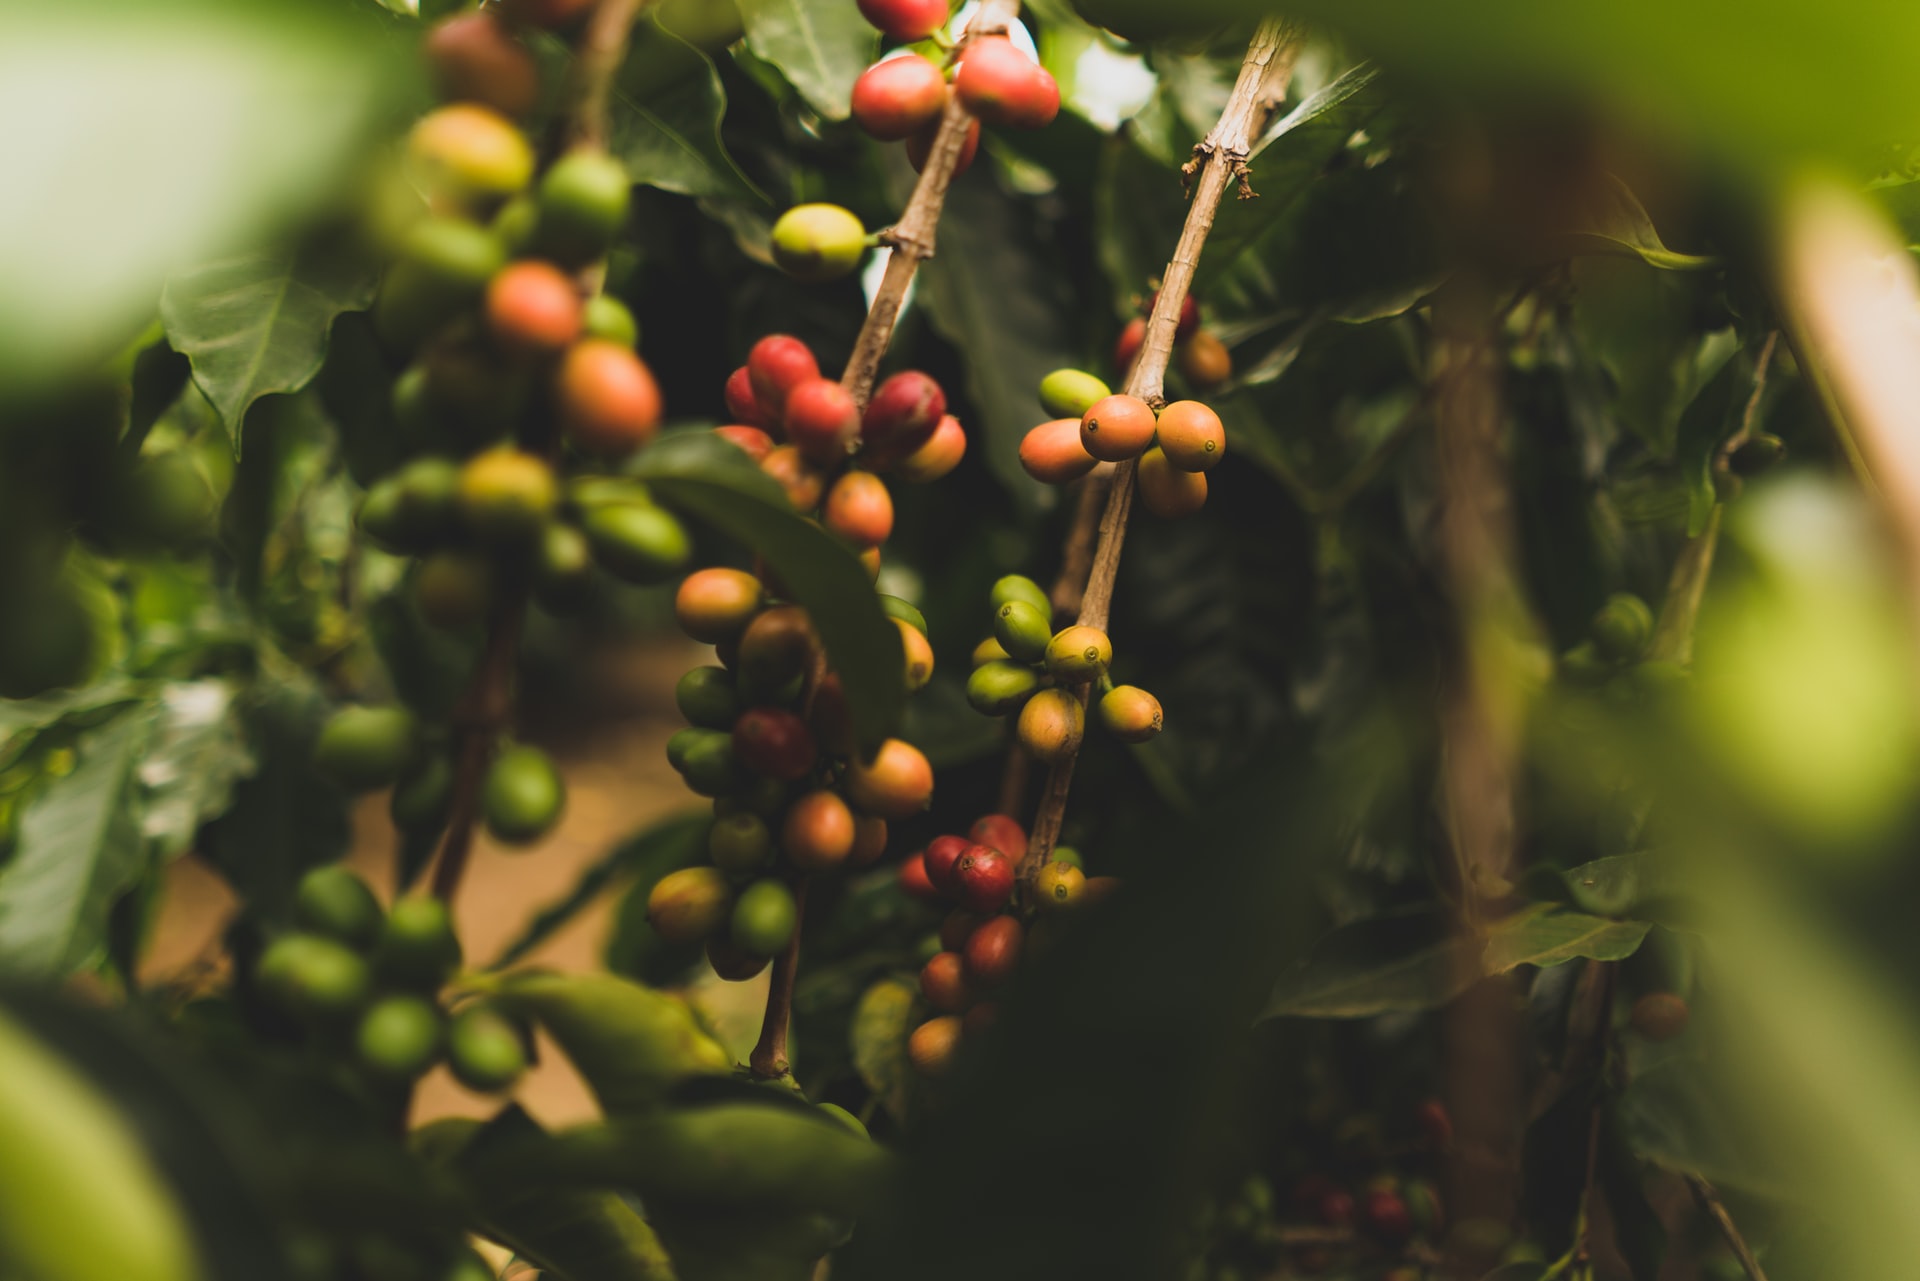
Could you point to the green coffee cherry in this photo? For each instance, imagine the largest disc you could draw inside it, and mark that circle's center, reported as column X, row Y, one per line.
column 818, row 242
column 422, row 797
column 315, row 977
column 399, row 1037
column 609, row 319
column 1022, row 631
column 443, row 267
column 506, row 495
column 690, row 904
column 1756, row 454
column 1000, row 687
column 1078, row 654
column 418, row 948
column 706, row 697
column 583, row 203
column 763, row 918
column 524, row 795
column 740, row 843
column 1070, row 856
column 1016, row 587
column 362, row 748
column 1622, row 628
column 641, row 544
column 709, row 766
column 563, row 565
column 485, row 1049
column 336, row 903
column 681, row 745
column 845, row 1118
column 1069, row 393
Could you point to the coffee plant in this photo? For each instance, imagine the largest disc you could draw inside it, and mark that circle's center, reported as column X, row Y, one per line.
column 1461, row 831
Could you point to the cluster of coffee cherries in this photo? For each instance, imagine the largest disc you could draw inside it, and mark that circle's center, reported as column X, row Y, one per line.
column 1175, row 447
column 1029, row 668
column 1202, row 359
column 982, row 937
column 365, row 984
column 902, row 97
column 772, row 744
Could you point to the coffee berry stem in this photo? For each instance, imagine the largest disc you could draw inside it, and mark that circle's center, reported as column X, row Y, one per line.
column 1220, row 160
column 769, row 1058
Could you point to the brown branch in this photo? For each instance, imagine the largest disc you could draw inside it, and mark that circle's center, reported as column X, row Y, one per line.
column 1076, row 556
column 912, row 237
column 1221, row 159
column 1709, row 1200
column 769, row 1057
column 597, row 60
column 481, row 715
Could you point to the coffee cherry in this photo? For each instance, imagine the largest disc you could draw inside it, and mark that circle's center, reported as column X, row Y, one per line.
column 979, row 1018
column 317, row 978
column 468, row 152
column 803, row 482
column 763, row 918
column 1133, row 336
column 336, row 903
column 859, row 509
column 706, row 698
column 1191, row 435
column 740, row 844
column 454, row 589
column 485, row 1049
column 984, row 879
column 730, row 962
column 818, row 242
column 987, row 651
column 1130, row 714
column 830, row 719
column 641, row 544
column 743, row 405
column 1435, row 1122
column 444, row 266
column 1189, row 322
column 940, row 455
column 776, row 365
column 707, row 764
column 1022, row 631
column 1117, row 428
column 1003, row 86
column 608, row 319
column 1101, row 887
column 533, row 308
column 563, row 566
column 1165, row 490
column 869, row 840
column 1000, row 832
column 905, row 20
column 920, row 147
column 997, row 688
column 775, row 648
column 474, row 59
column 399, row 1037
column 896, row 97
column 552, row 15
column 823, row 421
column 1756, row 454
column 896, row 784
column 942, row 855
column 583, row 205
column 919, row 656
column 817, row 835
column 690, row 904
column 958, row 926
column 943, row 981
column 1070, row 856
column 751, row 441
column 606, row 398
column 774, row 742
column 524, row 796
column 1069, row 393
column 913, row 880
column 1660, row 1016
column 418, row 949
column 361, row 748
column 1054, row 453
column 1204, row 360
column 506, row 495
column 930, row 1048
column 1059, row 886
column 1078, row 654
column 714, row 604
column 993, row 951
column 902, row 416
column 1384, row 1214
column 1622, row 628
column 870, row 561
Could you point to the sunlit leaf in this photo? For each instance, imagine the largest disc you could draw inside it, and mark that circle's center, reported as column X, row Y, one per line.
column 821, row 46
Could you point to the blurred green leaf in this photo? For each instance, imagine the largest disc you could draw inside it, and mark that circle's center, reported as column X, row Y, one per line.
column 1543, row 936
column 187, row 774
column 666, row 110
column 635, row 948
column 1412, row 961
column 881, row 1022
column 677, row 842
column 1620, row 226
column 821, row 46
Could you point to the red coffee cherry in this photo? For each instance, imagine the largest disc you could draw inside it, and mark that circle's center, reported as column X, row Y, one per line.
column 1165, row 490
column 1117, row 428
column 999, row 832
column 1191, row 435
column 1660, row 1016
column 943, row 981
column 943, row 852
column 755, row 443
column 609, row 404
column 920, row 146
column 940, row 455
column 993, row 951
column 1189, row 314
column 715, row 604
column 905, row 20
column 913, row 879
column 897, row 783
column 958, row 926
column 822, row 420
column 817, row 834
column 1435, row 1122
column 1053, row 453
column 930, row 1048
column 895, row 97
column 743, row 404
column 830, row 718
column 985, row 878
column 1204, row 360
column 905, row 411
column 859, row 509
column 803, row 481
column 1385, row 1215
column 776, row 365
column 1003, row 86
column 869, row 840
column 1133, row 336
column 775, row 742
column 474, row 59
column 534, row 308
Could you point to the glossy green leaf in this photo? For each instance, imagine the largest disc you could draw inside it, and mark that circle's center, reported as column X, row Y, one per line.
column 1414, row 961
column 1543, row 936
column 198, row 754
column 1620, row 226
column 881, row 1022
column 666, row 111
column 821, row 46
column 709, row 479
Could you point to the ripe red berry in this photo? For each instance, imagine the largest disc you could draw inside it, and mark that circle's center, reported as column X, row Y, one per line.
column 533, row 307
column 1132, row 337
column 474, row 59
column 913, row 879
column 942, row 853
column 1002, row 85
column 1660, row 1016
column 817, row 834
column 1053, row 454
column 1385, row 1215
column 859, row 509
column 957, row 927
column 943, row 981
column 905, row 19
column 756, row 443
column 905, row 411
column 984, row 878
column 774, row 742
column 742, row 403
column 993, row 950
column 1435, row 1122
column 920, row 146
column 999, row 832
column 1189, row 314
column 822, row 420
column 898, row 96
column 776, row 365
column 940, row 455
column 1117, row 428
column 608, row 402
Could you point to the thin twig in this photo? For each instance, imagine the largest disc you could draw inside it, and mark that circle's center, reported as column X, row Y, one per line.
column 1220, row 160
column 1709, row 1200
column 597, row 60
column 769, row 1057
column 1076, row 557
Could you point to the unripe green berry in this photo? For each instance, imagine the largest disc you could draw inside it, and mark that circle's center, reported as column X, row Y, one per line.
column 1020, row 588
column 997, row 688
column 524, row 795
column 337, row 903
column 506, row 495
column 740, row 843
column 763, row 918
column 609, row 319
column 1756, row 454
column 399, row 1037
column 710, row 767
column 818, row 242
column 1070, row 856
column 418, row 948
column 706, row 697
column 362, row 748
column 1078, row 654
column 583, row 203
column 485, row 1049
column 314, row 977
column 641, row 544
column 1622, row 628
column 1069, row 393
column 1022, row 631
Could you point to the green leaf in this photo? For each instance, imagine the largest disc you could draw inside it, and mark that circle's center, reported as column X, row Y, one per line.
column 1677, row 1112
column 821, row 46
column 1543, row 936
column 680, row 840
column 1409, row 962
column 257, row 323
column 79, row 849
column 666, row 111
column 881, row 1022
column 711, row 480
column 1620, row 227
column 199, row 753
